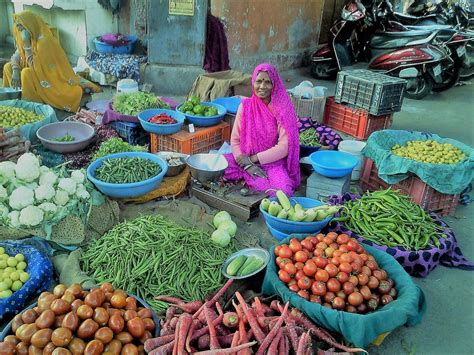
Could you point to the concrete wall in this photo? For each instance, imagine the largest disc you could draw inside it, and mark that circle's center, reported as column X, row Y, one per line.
column 4, row 23
column 277, row 31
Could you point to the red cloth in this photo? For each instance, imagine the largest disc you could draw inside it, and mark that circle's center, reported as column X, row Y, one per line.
column 216, row 56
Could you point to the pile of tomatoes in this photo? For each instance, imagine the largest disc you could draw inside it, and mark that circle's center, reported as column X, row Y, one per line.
column 335, row 271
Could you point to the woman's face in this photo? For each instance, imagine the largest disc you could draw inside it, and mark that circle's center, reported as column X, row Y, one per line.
column 263, row 86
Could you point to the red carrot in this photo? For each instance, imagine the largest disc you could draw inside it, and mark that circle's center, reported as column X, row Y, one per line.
column 186, row 321
column 275, row 305
column 251, row 318
column 170, row 312
column 219, row 308
column 230, row 320
column 265, row 344
column 273, row 348
column 153, row 343
column 170, row 299
column 291, row 328
column 282, row 346
column 214, row 299
column 204, row 330
column 190, row 307
column 203, row 342
column 303, row 344
column 164, row 349
column 228, row 350
column 192, row 328
column 264, row 322
column 174, row 323
column 235, row 339
column 239, row 311
column 176, row 338
column 212, row 331
column 258, row 307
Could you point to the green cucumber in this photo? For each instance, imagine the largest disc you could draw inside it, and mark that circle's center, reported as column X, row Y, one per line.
column 256, row 264
column 249, row 260
column 235, row 265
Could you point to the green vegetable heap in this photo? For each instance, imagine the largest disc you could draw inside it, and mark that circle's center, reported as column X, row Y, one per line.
column 127, row 170
column 152, row 255
column 389, row 218
column 16, row 117
column 310, row 138
column 429, row 151
column 193, row 107
column 66, row 138
column 12, row 273
column 134, row 103
column 116, row 145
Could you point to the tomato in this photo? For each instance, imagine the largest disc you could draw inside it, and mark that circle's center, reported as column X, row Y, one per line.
column 393, row 293
column 335, row 246
column 338, row 303
column 351, row 309
column 136, row 327
column 310, row 268
column 328, row 240
column 277, row 250
column 360, row 249
column 345, row 267
column 365, row 270
column 342, row 277
column 331, row 269
column 373, row 304
column 348, row 287
column 301, row 256
column 332, row 235
column 329, row 296
column 284, row 261
column 362, row 308
column 342, row 238
column 322, row 275
column 320, row 262
column 313, row 240
column 355, row 299
column 315, row 299
column 295, row 245
column 341, row 294
column 333, row 285
column 322, row 245
column 285, row 252
column 356, row 258
column 373, row 282
column 352, row 245
column 306, row 244
column 356, row 267
column 386, row 299
column 278, row 260
column 304, row 283
column 384, row 287
column 292, row 282
column 344, row 248
column 353, row 279
column 284, row 276
column 384, row 275
column 304, row 294
column 299, row 274
column 294, row 288
column 290, row 268
column 337, row 253
column 372, row 265
column 335, row 261
column 320, row 237
column 318, row 252
column 370, row 257
column 299, row 265
column 363, row 257
column 378, row 274
column 318, row 288
column 363, row 279
column 365, row 292
column 329, row 252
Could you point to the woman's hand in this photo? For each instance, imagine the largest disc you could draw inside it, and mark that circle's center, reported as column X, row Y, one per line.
column 16, row 84
column 243, row 161
column 255, row 170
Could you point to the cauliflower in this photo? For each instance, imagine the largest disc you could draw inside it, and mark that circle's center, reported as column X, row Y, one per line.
column 27, row 167
column 61, row 197
column 44, row 169
column 31, row 185
column 68, row 185
column 21, row 197
column 82, row 193
column 3, row 193
column 7, row 170
column 48, row 207
column 48, row 178
column 44, row 192
column 31, row 216
column 78, row 176
column 14, row 218
column 3, row 210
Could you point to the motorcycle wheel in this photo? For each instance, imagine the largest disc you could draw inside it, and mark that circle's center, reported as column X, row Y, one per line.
column 450, row 76
column 323, row 70
column 423, row 87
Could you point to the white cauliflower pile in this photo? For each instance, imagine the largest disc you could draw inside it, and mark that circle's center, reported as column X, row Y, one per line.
column 31, row 194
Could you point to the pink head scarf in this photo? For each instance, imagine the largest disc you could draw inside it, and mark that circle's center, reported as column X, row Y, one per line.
column 259, row 125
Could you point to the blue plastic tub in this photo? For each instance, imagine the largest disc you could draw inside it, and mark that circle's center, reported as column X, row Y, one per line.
column 135, row 189
column 206, row 121
column 290, row 227
column 104, row 48
column 276, row 234
column 333, row 164
column 163, row 129
column 230, row 103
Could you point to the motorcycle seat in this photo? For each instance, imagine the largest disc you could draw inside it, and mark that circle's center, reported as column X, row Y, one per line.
column 412, row 20
column 386, row 40
column 434, row 27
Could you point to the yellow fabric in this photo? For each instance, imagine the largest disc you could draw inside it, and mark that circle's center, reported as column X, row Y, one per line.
column 51, row 80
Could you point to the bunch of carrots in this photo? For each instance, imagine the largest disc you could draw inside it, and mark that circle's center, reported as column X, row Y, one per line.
column 205, row 329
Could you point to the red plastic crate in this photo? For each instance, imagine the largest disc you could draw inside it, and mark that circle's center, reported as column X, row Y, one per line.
column 356, row 122
column 201, row 141
column 420, row 193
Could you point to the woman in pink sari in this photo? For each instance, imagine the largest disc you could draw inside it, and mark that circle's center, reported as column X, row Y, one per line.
column 265, row 141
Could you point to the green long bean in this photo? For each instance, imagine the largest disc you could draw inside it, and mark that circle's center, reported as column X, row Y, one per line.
column 152, row 255
column 310, row 138
column 389, row 218
column 127, row 170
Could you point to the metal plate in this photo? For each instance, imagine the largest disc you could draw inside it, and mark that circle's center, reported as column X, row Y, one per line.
column 257, row 252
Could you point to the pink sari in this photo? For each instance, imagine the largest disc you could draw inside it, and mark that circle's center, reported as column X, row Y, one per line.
column 259, row 132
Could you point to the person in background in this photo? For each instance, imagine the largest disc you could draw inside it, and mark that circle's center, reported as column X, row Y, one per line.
column 264, row 140
column 40, row 67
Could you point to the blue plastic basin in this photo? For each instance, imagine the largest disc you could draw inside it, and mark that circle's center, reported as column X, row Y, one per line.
column 135, row 189
column 206, row 121
column 276, row 234
column 230, row 103
column 333, row 164
column 103, row 47
column 290, row 227
column 156, row 128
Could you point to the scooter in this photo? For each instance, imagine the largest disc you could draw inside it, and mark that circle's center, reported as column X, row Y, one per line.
column 410, row 54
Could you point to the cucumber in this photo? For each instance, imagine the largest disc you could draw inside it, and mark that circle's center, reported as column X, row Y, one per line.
column 249, row 260
column 256, row 264
column 235, row 265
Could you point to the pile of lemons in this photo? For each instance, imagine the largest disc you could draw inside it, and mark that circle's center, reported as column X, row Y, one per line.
column 429, row 151
column 15, row 116
column 12, row 273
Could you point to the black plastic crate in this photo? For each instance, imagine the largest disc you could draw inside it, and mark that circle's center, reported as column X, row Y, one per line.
column 377, row 93
column 132, row 132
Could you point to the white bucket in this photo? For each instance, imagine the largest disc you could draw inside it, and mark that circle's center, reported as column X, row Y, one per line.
column 354, row 148
column 127, row 86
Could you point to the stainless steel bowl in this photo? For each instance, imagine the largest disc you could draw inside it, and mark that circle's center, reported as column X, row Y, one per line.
column 206, row 167
column 9, row 94
column 174, row 170
column 82, row 132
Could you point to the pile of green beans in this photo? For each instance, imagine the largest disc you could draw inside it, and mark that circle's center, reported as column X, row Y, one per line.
column 387, row 217
column 127, row 170
column 152, row 255
column 310, row 138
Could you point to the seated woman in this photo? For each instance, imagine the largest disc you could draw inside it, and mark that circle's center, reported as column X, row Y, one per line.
column 265, row 141
column 40, row 67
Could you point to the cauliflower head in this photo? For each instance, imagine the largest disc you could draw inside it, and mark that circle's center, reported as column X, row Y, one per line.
column 3, row 193
column 14, row 217
column 31, row 216
column 61, row 197
column 48, row 178
column 3, row 210
column 82, row 193
column 7, row 170
column 44, row 192
column 78, row 176
column 48, row 207
column 68, row 185
column 21, row 197
column 27, row 167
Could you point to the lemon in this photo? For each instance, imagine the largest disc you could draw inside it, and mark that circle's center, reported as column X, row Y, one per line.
column 3, row 256
column 3, row 264
column 8, row 282
column 21, row 265
column 16, row 285
column 12, row 261
column 14, row 276
column 20, row 257
column 5, row 294
column 4, row 286
column 2, row 250
column 24, row 276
